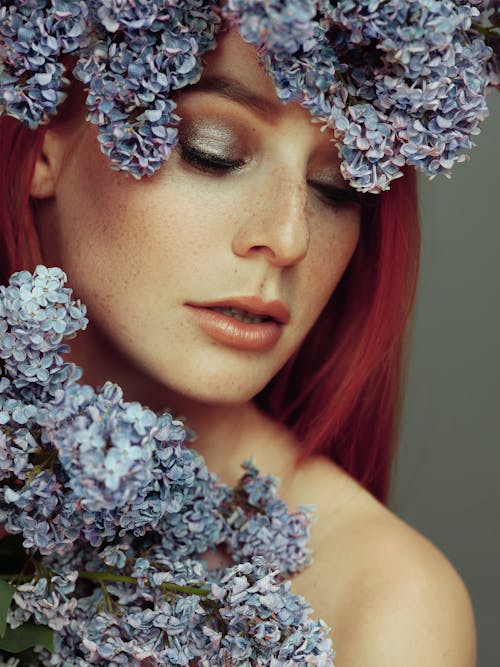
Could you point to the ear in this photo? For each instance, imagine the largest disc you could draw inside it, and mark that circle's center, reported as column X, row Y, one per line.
column 47, row 166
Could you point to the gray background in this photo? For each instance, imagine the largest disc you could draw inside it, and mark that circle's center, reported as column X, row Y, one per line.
column 447, row 477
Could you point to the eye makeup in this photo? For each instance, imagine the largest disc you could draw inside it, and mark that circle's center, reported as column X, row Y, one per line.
column 215, row 145
column 212, row 145
column 328, row 182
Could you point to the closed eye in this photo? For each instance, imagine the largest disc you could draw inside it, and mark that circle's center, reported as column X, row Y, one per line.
column 209, row 162
column 336, row 195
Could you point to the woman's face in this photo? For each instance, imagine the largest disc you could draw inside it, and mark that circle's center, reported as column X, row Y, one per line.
column 250, row 213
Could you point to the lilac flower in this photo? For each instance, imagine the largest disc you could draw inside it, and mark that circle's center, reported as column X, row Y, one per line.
column 34, row 35
column 118, row 465
column 16, row 445
column 102, row 449
column 122, row 623
column 127, row 99
column 130, row 80
column 199, row 524
column 36, row 313
column 261, row 525
column 281, row 26
column 127, row 14
column 264, row 623
column 46, row 601
column 85, row 473
column 429, row 87
column 40, row 511
column 421, row 66
column 160, row 568
column 490, row 19
column 418, row 43
column 115, row 555
column 258, row 619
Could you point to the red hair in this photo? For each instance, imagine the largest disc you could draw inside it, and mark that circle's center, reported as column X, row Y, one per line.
column 18, row 149
column 340, row 393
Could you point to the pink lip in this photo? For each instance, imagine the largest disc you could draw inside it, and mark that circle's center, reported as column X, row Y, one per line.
column 241, row 335
column 252, row 304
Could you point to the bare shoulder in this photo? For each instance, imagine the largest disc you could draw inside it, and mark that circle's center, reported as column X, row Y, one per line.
column 390, row 596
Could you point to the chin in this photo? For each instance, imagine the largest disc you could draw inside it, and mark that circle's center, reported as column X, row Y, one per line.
column 216, row 392
column 208, row 378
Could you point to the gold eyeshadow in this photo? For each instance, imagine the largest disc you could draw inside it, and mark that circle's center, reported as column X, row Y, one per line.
column 213, row 136
column 210, row 130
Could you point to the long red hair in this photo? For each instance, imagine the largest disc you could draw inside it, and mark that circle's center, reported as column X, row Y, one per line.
column 340, row 392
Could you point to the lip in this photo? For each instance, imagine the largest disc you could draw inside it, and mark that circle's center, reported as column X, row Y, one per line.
column 253, row 304
column 227, row 330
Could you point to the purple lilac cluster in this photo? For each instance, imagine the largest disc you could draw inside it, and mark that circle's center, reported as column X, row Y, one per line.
column 139, row 54
column 47, row 601
column 202, row 521
column 140, row 620
column 130, row 55
column 262, row 525
column 265, row 624
column 35, row 35
column 400, row 83
column 36, row 315
column 118, row 464
column 489, row 30
column 116, row 514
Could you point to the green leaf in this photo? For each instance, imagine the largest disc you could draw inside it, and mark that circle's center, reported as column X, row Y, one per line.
column 26, row 636
column 6, row 594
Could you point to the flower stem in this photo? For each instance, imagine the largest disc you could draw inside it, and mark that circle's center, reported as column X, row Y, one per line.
column 111, row 577
column 486, row 30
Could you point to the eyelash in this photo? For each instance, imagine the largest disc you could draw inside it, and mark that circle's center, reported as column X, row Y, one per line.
column 337, row 196
column 209, row 163
column 216, row 165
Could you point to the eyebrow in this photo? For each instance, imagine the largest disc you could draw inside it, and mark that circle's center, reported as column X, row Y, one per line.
column 233, row 90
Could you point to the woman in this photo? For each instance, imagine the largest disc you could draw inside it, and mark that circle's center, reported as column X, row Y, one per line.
column 247, row 287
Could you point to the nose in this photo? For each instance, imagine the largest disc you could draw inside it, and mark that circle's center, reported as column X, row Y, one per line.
column 276, row 223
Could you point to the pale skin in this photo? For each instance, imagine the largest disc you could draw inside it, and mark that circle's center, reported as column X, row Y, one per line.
column 266, row 230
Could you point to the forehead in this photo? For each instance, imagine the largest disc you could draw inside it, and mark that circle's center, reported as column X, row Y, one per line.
column 237, row 60
column 233, row 70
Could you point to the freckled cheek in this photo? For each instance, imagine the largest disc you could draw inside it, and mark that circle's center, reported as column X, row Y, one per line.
column 329, row 255
column 146, row 251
